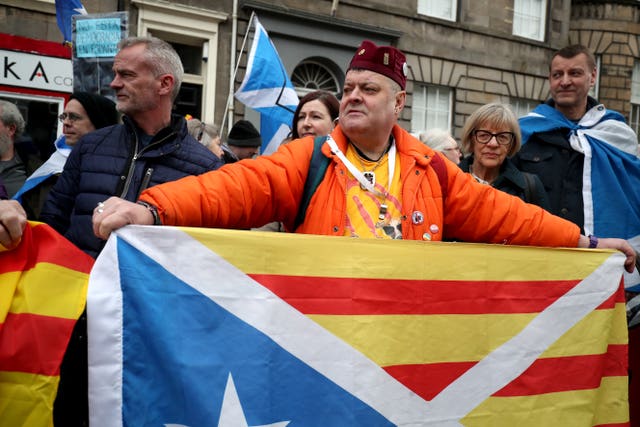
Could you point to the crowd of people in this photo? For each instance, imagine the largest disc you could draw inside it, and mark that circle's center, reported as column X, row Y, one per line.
column 134, row 162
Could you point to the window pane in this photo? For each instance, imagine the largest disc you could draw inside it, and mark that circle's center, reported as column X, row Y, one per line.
column 443, row 9
column 635, row 84
column 522, row 107
column 431, row 108
column 419, row 108
column 634, row 118
column 529, row 18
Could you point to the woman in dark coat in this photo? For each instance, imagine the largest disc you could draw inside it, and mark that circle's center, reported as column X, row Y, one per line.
column 491, row 136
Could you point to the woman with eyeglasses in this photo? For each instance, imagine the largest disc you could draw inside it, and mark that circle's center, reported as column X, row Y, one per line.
column 491, row 136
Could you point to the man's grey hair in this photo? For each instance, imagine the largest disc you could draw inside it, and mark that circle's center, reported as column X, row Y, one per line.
column 161, row 57
column 10, row 115
column 436, row 138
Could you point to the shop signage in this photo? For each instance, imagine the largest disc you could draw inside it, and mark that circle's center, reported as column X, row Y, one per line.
column 35, row 71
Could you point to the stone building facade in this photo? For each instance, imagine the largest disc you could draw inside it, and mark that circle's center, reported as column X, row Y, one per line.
column 461, row 53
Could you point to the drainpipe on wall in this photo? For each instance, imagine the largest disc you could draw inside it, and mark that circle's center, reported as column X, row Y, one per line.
column 232, row 66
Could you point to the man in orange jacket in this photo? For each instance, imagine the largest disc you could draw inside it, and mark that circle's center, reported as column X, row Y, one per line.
column 380, row 183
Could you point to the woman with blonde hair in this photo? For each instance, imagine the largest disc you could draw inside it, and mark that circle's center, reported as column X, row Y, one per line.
column 491, row 136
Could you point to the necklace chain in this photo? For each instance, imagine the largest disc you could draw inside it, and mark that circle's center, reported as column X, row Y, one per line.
column 378, row 163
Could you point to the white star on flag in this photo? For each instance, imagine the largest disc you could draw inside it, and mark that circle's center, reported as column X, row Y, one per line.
column 231, row 413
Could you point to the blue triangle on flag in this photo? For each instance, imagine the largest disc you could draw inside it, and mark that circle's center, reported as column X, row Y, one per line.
column 179, row 348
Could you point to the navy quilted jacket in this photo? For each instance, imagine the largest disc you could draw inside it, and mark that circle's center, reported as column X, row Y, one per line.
column 111, row 162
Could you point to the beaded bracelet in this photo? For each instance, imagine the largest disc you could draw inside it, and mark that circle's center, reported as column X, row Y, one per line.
column 593, row 241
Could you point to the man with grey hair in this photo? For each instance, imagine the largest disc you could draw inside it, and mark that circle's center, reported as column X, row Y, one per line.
column 150, row 147
column 442, row 141
column 13, row 170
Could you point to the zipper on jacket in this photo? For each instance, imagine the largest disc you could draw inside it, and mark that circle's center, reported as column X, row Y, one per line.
column 145, row 182
column 136, row 156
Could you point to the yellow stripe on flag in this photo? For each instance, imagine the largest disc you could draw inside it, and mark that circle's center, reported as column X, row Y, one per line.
column 411, row 260
column 8, row 285
column 588, row 335
column 408, row 339
column 43, row 296
column 609, row 401
column 25, row 399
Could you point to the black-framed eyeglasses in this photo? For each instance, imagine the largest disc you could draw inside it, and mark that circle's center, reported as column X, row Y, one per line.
column 484, row 136
column 73, row 117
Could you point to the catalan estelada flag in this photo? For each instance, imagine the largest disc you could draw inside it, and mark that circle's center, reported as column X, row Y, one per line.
column 43, row 287
column 196, row 327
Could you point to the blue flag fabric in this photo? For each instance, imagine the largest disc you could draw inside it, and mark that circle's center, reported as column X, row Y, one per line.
column 611, row 172
column 65, row 9
column 52, row 166
column 266, row 88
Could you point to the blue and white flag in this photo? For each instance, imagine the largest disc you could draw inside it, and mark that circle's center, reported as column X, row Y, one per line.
column 611, row 172
column 65, row 9
column 53, row 166
column 267, row 89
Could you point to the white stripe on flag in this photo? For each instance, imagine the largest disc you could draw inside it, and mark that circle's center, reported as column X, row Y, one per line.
column 278, row 137
column 267, row 98
column 105, row 367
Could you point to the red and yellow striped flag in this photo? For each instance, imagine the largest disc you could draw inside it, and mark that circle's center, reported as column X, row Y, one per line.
column 43, row 286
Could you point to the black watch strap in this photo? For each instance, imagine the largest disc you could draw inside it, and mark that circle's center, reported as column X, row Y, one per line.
column 153, row 210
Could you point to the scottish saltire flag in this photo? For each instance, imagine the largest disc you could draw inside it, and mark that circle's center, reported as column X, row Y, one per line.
column 43, row 287
column 65, row 9
column 197, row 327
column 611, row 172
column 267, row 89
column 53, row 166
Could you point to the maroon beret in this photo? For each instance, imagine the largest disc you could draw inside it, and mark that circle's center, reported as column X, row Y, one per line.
column 386, row 60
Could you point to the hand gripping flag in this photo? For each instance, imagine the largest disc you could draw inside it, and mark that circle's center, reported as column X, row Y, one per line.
column 267, row 89
column 195, row 327
column 65, row 9
column 611, row 172
column 43, row 286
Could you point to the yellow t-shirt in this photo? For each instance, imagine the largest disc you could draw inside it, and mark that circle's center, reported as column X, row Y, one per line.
column 364, row 208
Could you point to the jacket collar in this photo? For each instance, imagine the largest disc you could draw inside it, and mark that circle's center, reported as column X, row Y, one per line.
column 178, row 125
column 405, row 144
column 508, row 171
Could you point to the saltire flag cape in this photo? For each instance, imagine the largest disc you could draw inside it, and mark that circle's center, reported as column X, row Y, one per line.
column 196, row 327
column 65, row 9
column 266, row 88
column 43, row 287
column 611, row 172
column 53, row 166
